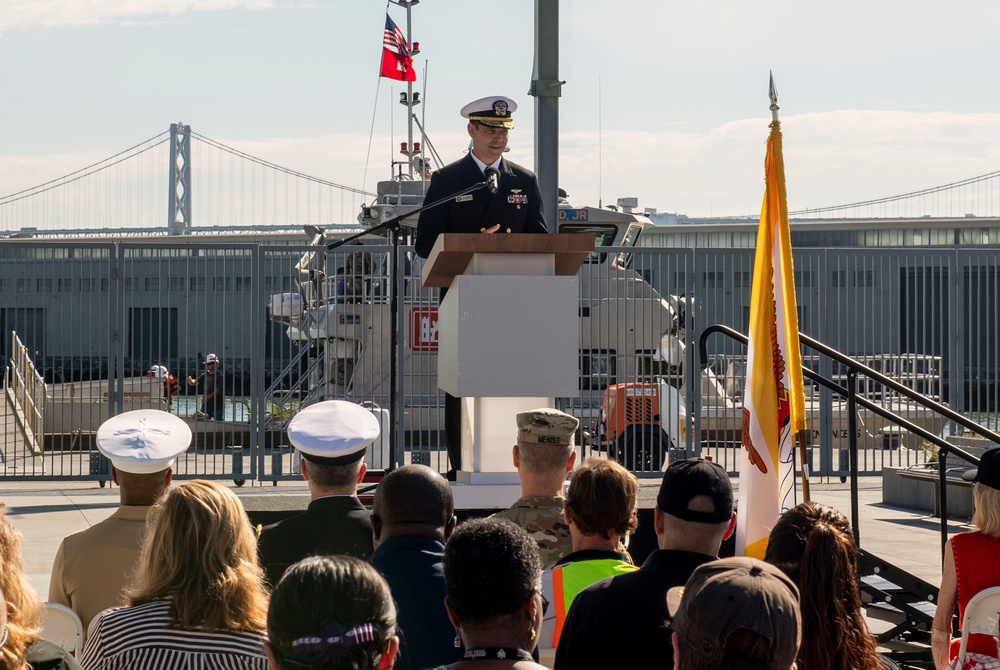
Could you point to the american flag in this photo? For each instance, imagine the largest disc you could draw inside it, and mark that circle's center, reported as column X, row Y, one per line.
column 396, row 61
column 393, row 38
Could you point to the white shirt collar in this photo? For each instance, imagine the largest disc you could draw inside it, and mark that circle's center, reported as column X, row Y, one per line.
column 482, row 165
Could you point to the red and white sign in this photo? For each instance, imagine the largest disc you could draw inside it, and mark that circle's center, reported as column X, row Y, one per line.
column 424, row 329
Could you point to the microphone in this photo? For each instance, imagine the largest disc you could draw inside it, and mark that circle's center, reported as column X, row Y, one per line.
column 492, row 178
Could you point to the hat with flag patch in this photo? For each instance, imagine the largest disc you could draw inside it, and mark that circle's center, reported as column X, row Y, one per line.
column 494, row 111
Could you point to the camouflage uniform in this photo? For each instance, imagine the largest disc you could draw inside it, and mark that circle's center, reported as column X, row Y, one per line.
column 542, row 517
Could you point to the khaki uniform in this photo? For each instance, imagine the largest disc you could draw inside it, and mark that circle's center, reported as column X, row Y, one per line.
column 93, row 565
column 542, row 517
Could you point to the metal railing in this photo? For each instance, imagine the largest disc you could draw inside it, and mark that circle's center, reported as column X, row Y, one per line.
column 96, row 316
column 24, row 389
column 888, row 591
column 855, row 401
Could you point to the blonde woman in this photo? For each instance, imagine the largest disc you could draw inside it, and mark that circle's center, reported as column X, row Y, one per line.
column 197, row 599
column 971, row 564
column 22, row 612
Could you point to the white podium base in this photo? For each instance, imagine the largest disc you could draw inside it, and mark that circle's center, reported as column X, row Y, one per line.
column 505, row 479
column 485, row 496
column 489, row 432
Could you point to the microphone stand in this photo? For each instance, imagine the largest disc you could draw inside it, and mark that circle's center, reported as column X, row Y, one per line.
column 392, row 225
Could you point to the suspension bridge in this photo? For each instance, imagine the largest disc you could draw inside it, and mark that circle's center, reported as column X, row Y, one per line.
column 182, row 182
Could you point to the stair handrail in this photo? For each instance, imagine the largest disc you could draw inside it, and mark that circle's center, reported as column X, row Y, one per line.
column 26, row 388
column 854, row 400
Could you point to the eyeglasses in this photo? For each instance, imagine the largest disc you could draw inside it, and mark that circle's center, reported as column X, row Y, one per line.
column 3, row 637
column 545, row 603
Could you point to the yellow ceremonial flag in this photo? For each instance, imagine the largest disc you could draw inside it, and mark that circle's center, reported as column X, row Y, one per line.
column 773, row 400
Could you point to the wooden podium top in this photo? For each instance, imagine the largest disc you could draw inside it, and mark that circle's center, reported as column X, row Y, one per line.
column 452, row 252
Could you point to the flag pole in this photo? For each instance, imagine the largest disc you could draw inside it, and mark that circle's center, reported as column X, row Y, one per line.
column 772, row 93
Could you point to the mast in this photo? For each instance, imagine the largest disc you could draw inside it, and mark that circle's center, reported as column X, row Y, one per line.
column 409, row 99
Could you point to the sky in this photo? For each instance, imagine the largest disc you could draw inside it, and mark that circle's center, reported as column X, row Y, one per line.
column 664, row 100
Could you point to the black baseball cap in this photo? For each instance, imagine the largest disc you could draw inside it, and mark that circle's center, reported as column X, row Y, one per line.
column 988, row 472
column 692, row 477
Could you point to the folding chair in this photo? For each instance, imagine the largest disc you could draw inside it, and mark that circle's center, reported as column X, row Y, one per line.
column 64, row 628
column 982, row 616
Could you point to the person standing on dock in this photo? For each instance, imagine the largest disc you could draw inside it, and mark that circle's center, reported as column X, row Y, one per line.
column 511, row 204
column 212, row 385
column 170, row 384
column 92, row 565
column 332, row 437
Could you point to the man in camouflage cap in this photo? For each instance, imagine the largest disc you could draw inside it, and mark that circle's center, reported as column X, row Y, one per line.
column 543, row 456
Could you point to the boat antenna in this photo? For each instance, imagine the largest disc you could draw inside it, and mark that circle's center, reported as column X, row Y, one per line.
column 600, row 145
column 423, row 134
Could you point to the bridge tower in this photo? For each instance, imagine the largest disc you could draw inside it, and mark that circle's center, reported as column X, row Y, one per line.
column 179, row 195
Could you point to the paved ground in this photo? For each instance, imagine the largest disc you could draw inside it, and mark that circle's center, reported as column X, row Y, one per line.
column 45, row 512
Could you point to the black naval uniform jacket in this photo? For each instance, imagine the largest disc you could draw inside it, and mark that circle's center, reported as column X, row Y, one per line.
column 330, row 525
column 516, row 206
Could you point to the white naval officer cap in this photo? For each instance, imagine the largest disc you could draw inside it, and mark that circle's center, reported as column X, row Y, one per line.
column 143, row 441
column 333, row 432
column 494, row 111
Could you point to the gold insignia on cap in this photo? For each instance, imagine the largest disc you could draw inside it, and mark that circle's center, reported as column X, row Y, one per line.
column 500, row 108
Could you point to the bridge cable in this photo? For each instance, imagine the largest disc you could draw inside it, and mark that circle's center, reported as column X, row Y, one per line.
column 901, row 196
column 65, row 178
column 275, row 166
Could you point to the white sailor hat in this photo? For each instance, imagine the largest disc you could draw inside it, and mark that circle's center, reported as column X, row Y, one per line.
column 143, row 441
column 333, row 432
column 494, row 111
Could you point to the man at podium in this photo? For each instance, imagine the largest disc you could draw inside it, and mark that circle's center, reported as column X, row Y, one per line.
column 511, row 202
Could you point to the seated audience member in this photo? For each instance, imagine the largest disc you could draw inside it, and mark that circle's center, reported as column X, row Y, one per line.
column 971, row 564
column 735, row 613
column 198, row 598
column 22, row 613
column 493, row 577
column 333, row 437
column 693, row 515
column 814, row 545
column 543, row 455
column 331, row 613
column 601, row 513
column 92, row 565
column 412, row 517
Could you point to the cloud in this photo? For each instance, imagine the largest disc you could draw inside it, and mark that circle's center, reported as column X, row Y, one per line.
column 830, row 158
column 33, row 14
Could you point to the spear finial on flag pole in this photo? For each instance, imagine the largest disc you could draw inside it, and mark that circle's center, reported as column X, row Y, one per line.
column 772, row 93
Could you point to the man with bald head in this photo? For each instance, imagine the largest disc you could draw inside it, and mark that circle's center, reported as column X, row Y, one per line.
column 412, row 517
